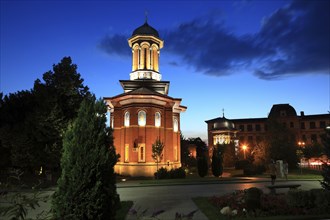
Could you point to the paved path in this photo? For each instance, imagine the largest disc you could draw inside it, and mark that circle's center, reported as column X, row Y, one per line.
column 178, row 198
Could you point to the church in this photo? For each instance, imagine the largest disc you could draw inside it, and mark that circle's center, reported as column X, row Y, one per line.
column 144, row 112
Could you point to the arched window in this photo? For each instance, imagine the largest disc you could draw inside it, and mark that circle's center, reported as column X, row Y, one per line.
column 126, row 119
column 157, row 119
column 175, row 125
column 142, row 118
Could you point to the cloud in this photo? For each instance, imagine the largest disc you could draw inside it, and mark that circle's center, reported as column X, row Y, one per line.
column 115, row 45
column 299, row 36
column 293, row 40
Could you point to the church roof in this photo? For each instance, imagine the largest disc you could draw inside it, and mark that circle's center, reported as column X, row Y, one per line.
column 222, row 123
column 280, row 110
column 145, row 29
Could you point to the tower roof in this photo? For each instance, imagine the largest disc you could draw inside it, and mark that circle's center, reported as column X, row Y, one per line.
column 145, row 29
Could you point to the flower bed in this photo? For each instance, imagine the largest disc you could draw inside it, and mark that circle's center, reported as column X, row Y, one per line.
column 295, row 202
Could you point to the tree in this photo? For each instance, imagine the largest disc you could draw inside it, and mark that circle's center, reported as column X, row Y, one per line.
column 202, row 165
column 157, row 151
column 32, row 123
column 281, row 144
column 217, row 167
column 326, row 167
column 86, row 188
column 59, row 97
column 311, row 151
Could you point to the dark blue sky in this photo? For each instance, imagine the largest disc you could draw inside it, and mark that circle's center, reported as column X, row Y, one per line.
column 243, row 56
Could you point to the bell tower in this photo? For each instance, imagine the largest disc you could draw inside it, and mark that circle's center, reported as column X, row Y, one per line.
column 145, row 44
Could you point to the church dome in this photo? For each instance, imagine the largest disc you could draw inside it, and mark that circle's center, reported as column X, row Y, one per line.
column 223, row 124
column 145, row 29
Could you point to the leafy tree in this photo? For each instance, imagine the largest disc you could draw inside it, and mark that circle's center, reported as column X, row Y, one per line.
column 157, row 151
column 32, row 123
column 16, row 130
column 86, row 188
column 281, row 144
column 59, row 97
column 314, row 150
column 217, row 167
column 326, row 167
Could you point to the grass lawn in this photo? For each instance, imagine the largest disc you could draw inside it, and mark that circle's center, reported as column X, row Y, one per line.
column 212, row 213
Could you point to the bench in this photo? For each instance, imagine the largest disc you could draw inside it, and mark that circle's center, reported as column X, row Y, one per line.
column 273, row 188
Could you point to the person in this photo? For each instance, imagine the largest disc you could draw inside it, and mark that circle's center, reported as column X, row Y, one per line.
column 272, row 170
column 285, row 169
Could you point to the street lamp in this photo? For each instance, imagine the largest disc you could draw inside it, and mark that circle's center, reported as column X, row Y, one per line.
column 244, row 147
column 301, row 145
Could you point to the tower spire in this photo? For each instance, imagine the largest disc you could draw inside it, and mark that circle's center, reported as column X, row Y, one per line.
column 223, row 112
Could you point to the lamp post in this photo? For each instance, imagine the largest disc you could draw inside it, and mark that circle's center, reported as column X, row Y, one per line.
column 301, row 144
column 244, row 147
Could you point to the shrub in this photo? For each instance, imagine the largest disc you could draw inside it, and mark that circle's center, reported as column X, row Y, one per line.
column 321, row 200
column 252, row 198
column 241, row 164
column 252, row 169
column 178, row 173
column 162, row 173
column 300, row 198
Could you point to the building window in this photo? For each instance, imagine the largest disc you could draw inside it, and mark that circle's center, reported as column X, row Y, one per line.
column 258, row 127
column 126, row 153
column 126, row 119
column 112, row 119
column 312, row 125
column 322, row 124
column 314, row 138
column 302, row 125
column 175, row 125
column 249, row 127
column 157, row 119
column 142, row 153
column 142, row 118
column 241, row 127
column 283, row 113
column 175, row 151
column 291, row 124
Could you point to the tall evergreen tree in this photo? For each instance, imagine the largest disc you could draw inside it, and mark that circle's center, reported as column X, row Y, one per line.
column 326, row 167
column 86, row 188
column 217, row 166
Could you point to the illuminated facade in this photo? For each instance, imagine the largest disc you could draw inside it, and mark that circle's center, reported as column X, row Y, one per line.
column 145, row 112
column 307, row 129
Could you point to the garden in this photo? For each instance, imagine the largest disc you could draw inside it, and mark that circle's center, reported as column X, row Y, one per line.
column 253, row 203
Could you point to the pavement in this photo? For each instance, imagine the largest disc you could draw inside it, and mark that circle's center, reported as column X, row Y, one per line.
column 176, row 196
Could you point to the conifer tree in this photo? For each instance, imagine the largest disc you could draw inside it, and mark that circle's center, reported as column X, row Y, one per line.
column 217, row 167
column 86, row 188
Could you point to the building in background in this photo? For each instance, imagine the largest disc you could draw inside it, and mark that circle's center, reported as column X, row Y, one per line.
column 307, row 129
column 145, row 112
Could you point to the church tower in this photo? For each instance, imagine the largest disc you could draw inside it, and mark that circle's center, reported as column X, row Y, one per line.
column 144, row 112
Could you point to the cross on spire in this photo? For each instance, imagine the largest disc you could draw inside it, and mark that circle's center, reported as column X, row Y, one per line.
column 146, row 14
